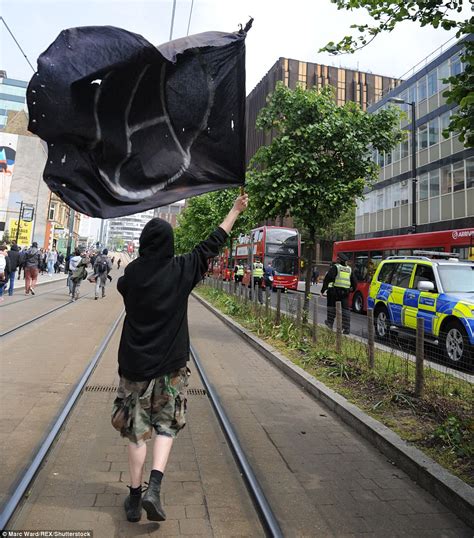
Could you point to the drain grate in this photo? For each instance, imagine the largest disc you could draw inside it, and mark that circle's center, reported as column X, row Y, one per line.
column 197, row 392
column 113, row 388
column 101, row 388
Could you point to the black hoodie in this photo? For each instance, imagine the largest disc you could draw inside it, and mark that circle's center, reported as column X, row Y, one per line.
column 155, row 289
column 14, row 257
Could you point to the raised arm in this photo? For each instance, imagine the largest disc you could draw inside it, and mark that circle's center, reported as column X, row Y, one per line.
column 239, row 206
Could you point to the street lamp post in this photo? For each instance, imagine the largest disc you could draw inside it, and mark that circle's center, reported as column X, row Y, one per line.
column 413, row 157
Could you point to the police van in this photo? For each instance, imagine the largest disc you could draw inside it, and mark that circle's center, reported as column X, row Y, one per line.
column 434, row 286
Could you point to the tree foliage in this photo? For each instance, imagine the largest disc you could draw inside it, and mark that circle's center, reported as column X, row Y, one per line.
column 436, row 13
column 318, row 162
column 203, row 214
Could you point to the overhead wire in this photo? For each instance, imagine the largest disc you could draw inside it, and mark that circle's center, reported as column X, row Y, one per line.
column 190, row 15
column 17, row 44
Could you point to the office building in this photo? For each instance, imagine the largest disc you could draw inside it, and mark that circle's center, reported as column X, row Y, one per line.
column 445, row 168
column 350, row 85
column 12, row 96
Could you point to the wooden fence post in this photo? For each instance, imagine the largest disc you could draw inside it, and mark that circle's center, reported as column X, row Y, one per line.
column 420, row 356
column 278, row 308
column 338, row 327
column 315, row 319
column 370, row 338
column 267, row 300
column 298, row 310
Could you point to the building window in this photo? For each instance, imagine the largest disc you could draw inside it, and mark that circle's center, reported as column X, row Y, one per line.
column 469, row 173
column 444, row 120
column 404, row 147
column 443, row 73
column 388, row 158
column 456, row 65
column 432, row 83
column 286, row 72
column 433, row 132
column 421, row 89
column 412, row 96
column 341, row 86
column 380, row 201
column 434, row 183
column 302, row 74
column 446, row 186
column 423, row 187
column 381, row 159
column 423, row 136
column 458, row 176
column 378, row 87
column 396, row 153
column 52, row 211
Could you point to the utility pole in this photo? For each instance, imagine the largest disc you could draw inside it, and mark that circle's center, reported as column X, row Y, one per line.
column 71, row 231
column 20, row 216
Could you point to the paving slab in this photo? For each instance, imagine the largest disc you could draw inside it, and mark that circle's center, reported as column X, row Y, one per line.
column 320, row 477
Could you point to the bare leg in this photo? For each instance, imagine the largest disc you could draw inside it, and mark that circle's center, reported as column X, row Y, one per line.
column 161, row 452
column 136, row 462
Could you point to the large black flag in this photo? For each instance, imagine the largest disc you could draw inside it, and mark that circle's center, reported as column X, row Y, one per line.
column 131, row 127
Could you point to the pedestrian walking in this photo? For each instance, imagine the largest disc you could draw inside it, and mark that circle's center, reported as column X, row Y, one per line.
column 112, row 260
column 269, row 275
column 339, row 282
column 14, row 260
column 21, row 263
column 102, row 267
column 258, row 278
column 4, row 269
column 119, row 262
column 51, row 259
column 154, row 350
column 33, row 262
column 79, row 272
column 315, row 275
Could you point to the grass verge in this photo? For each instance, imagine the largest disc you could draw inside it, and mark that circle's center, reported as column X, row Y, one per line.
column 440, row 423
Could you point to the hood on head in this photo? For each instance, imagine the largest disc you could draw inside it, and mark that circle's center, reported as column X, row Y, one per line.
column 157, row 238
column 15, row 247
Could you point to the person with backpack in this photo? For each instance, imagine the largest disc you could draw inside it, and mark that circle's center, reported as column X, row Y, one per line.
column 102, row 267
column 79, row 273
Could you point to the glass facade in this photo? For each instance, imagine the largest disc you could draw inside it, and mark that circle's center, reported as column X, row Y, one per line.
column 445, row 168
column 12, row 97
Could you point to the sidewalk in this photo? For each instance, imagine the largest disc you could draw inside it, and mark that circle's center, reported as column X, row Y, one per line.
column 42, row 279
column 320, row 477
column 315, row 288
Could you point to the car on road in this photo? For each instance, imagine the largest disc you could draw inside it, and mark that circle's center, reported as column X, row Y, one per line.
column 440, row 291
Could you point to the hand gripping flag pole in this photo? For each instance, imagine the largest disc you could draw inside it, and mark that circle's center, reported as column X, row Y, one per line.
column 130, row 126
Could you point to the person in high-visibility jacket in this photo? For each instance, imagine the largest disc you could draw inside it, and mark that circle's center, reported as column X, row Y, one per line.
column 238, row 273
column 258, row 271
column 339, row 282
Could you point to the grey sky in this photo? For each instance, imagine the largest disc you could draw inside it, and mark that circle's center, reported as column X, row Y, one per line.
column 294, row 29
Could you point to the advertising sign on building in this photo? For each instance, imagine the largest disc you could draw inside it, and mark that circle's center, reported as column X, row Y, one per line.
column 24, row 235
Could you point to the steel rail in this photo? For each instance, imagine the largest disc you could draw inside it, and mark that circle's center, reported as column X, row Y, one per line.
column 11, row 303
column 265, row 513
column 42, row 315
column 23, row 483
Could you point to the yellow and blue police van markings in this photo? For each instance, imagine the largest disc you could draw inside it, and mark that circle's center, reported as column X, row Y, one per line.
column 404, row 304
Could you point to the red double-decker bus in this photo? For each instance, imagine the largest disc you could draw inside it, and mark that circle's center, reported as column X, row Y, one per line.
column 365, row 254
column 271, row 244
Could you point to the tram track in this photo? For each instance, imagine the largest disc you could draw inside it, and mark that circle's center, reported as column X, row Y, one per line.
column 44, row 314
column 29, row 297
column 24, row 482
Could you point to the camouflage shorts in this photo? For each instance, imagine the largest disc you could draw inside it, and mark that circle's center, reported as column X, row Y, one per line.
column 160, row 403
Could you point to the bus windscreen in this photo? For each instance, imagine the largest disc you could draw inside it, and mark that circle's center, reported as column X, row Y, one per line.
column 281, row 250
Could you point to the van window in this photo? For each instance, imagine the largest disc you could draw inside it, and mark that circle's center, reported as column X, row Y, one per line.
column 424, row 273
column 385, row 275
column 402, row 275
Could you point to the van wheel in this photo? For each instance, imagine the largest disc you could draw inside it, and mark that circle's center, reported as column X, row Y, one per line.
column 381, row 322
column 358, row 303
column 455, row 344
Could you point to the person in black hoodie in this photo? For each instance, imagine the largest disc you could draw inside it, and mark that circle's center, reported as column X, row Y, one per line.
column 154, row 350
column 14, row 257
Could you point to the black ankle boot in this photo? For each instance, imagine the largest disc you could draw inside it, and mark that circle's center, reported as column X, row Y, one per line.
column 133, row 506
column 152, row 502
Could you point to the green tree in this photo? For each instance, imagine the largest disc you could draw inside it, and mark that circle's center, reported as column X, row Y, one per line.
column 437, row 13
column 319, row 161
column 203, row 214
